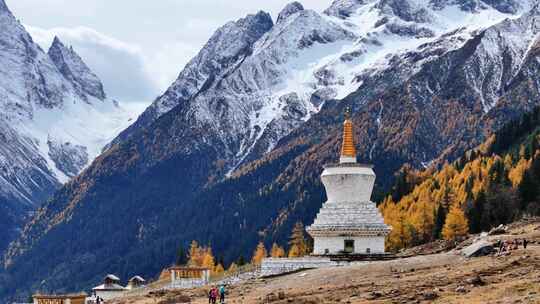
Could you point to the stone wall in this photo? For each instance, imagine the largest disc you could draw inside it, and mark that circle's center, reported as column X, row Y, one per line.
column 273, row 266
column 109, row 294
column 187, row 283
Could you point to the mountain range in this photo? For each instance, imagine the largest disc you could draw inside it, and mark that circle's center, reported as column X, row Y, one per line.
column 55, row 119
column 231, row 153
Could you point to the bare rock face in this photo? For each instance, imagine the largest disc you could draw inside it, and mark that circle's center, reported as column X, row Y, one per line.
column 76, row 71
column 344, row 8
column 67, row 157
column 291, row 9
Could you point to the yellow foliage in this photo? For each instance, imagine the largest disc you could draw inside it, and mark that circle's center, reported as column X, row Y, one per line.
column 259, row 254
column 422, row 219
column 277, row 251
column 233, row 268
column 456, row 224
column 219, row 269
column 196, row 254
column 294, row 252
column 400, row 236
column 208, row 260
column 298, row 240
column 413, row 217
column 516, row 173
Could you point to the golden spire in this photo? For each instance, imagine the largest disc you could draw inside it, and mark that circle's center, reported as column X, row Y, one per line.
column 348, row 150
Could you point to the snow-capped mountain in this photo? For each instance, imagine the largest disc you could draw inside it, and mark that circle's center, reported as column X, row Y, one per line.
column 426, row 80
column 255, row 81
column 54, row 117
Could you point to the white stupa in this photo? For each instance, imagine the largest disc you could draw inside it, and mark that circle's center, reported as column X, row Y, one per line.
column 348, row 222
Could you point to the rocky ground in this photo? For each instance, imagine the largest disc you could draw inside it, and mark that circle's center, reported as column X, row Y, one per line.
column 445, row 277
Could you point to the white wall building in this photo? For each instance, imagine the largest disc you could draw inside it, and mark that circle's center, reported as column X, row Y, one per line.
column 348, row 222
column 110, row 288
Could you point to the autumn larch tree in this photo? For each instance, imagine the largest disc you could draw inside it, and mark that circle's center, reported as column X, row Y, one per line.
column 456, row 224
column 297, row 242
column 277, row 251
column 259, row 254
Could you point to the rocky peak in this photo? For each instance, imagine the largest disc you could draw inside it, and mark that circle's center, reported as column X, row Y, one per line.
column 256, row 25
column 290, row 9
column 223, row 52
column 343, row 8
column 503, row 6
column 406, row 10
column 73, row 68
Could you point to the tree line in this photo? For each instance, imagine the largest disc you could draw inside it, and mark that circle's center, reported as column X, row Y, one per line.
column 202, row 256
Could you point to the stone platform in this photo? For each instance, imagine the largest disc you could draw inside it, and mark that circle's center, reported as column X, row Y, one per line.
column 274, row 266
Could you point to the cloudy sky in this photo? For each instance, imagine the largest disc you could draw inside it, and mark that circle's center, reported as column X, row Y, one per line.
column 137, row 47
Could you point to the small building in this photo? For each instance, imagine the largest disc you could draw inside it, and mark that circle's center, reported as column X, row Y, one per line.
column 110, row 288
column 79, row 298
column 188, row 277
column 135, row 282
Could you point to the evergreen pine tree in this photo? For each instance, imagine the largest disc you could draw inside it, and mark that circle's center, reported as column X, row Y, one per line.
column 527, row 189
column 439, row 221
column 241, row 261
column 475, row 213
column 181, row 257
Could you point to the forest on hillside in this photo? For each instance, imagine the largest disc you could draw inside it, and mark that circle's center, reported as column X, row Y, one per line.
column 496, row 183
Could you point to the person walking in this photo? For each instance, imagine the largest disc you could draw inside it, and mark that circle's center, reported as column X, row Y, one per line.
column 210, row 296
column 222, row 294
column 214, row 295
column 503, row 247
column 524, row 243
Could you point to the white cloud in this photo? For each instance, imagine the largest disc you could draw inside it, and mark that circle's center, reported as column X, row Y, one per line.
column 121, row 66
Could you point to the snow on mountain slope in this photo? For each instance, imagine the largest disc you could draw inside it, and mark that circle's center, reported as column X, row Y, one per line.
column 54, row 115
column 257, row 90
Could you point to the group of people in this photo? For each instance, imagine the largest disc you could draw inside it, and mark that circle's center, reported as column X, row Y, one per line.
column 507, row 246
column 214, row 293
column 99, row 300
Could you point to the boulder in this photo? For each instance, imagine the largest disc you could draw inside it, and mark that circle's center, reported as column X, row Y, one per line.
column 479, row 248
column 501, row 229
column 475, row 281
column 461, row 289
column 430, row 295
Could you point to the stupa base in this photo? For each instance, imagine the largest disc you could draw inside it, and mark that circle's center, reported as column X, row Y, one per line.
column 337, row 245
